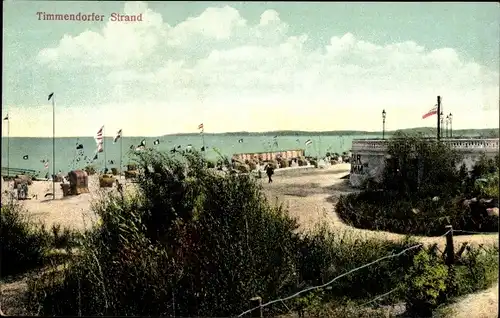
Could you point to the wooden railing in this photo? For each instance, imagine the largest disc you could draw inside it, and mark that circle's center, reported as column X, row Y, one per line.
column 484, row 145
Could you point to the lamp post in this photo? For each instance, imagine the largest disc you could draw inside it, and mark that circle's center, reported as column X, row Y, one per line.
column 441, row 117
column 447, row 123
column 383, row 123
column 450, row 116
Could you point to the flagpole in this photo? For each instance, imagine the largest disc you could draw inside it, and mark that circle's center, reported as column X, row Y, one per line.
column 203, row 141
column 121, row 152
column 104, row 148
column 8, row 146
column 53, row 146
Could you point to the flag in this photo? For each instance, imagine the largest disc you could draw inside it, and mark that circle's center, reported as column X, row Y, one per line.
column 25, row 157
column 50, row 95
column 131, row 147
column 46, row 164
column 200, row 126
column 118, row 136
column 240, row 141
column 79, row 146
column 202, row 148
column 308, row 142
column 156, row 142
column 100, row 148
column 431, row 112
column 99, row 137
column 142, row 145
column 6, row 117
column 95, row 157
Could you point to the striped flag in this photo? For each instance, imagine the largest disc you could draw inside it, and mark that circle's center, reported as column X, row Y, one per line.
column 99, row 139
column 200, row 127
column 308, row 142
column 46, row 164
column 141, row 146
column 431, row 112
column 118, row 136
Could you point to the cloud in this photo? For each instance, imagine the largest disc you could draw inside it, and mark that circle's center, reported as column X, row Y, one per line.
column 220, row 58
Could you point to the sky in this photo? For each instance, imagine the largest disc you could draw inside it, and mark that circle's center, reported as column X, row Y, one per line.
column 256, row 66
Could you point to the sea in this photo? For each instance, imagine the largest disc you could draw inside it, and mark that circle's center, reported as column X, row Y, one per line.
column 34, row 153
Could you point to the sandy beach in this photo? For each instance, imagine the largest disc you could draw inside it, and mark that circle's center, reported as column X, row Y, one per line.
column 309, row 197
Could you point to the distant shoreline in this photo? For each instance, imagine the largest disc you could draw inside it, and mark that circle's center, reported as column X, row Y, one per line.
column 485, row 132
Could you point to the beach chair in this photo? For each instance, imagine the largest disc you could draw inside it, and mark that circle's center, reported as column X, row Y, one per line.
column 78, row 182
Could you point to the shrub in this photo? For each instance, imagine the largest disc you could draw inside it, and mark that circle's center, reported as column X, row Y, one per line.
column 425, row 284
column 22, row 243
column 192, row 242
column 252, row 165
column 90, row 170
column 417, row 171
column 210, row 164
column 314, row 163
column 114, row 171
column 302, row 162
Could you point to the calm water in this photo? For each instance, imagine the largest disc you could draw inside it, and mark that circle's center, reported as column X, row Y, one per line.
column 68, row 157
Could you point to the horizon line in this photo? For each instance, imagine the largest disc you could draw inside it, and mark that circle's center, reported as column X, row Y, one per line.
column 270, row 132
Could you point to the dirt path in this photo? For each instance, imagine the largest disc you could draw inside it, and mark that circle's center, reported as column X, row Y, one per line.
column 310, row 198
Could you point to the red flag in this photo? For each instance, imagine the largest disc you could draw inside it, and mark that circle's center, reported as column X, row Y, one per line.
column 200, row 126
column 431, row 112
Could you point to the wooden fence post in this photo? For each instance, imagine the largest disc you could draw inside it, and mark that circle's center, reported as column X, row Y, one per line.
column 256, row 302
column 450, row 249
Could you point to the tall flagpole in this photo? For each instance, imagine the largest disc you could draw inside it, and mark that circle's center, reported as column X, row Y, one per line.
column 8, row 145
column 121, row 152
column 203, row 141
column 53, row 146
column 103, row 149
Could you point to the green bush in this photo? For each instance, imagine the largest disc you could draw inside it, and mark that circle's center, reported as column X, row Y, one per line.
column 192, row 242
column 23, row 244
column 210, row 164
column 90, row 170
column 422, row 191
column 425, row 284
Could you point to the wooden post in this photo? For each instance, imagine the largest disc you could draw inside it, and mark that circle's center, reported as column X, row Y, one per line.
column 256, row 302
column 450, row 250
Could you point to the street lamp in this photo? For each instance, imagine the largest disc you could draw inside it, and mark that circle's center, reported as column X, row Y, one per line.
column 441, row 118
column 383, row 123
column 450, row 116
column 447, row 122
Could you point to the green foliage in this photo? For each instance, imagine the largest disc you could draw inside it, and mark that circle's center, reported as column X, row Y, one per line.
column 114, row 171
column 425, row 284
column 422, row 191
column 210, row 164
column 90, row 170
column 194, row 242
column 421, row 167
column 22, row 243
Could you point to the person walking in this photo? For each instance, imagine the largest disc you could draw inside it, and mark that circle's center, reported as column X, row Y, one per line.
column 269, row 172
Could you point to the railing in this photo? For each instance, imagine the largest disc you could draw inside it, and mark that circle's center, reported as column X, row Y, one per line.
column 489, row 145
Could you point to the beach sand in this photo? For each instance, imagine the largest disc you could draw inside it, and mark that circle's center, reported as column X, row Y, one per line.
column 310, row 198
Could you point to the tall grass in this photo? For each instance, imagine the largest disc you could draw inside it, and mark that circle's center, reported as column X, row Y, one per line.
column 193, row 242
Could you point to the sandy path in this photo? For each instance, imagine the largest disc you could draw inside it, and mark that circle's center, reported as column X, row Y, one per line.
column 310, row 198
